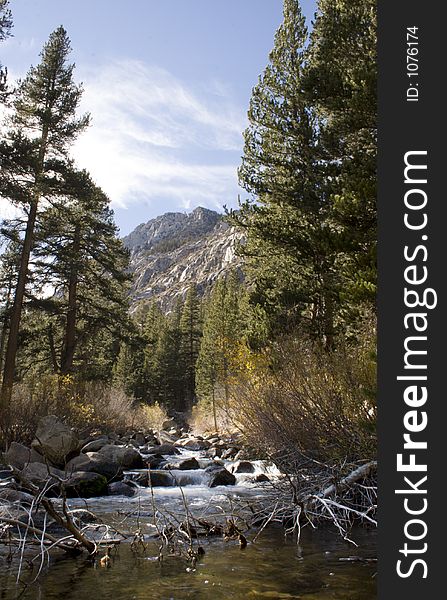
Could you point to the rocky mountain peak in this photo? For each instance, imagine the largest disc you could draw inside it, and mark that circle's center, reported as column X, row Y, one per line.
column 174, row 250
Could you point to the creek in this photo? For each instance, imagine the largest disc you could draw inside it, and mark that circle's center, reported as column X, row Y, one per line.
column 321, row 567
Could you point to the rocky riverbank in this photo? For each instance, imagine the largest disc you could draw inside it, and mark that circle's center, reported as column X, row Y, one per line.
column 119, row 464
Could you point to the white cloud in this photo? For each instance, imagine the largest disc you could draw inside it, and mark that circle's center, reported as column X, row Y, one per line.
column 152, row 136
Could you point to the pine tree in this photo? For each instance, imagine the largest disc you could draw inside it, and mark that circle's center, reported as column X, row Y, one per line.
column 290, row 250
column 167, row 374
column 222, row 329
column 154, row 322
column 342, row 82
column 41, row 129
column 129, row 368
column 8, row 271
column 78, row 252
column 5, row 31
column 190, row 331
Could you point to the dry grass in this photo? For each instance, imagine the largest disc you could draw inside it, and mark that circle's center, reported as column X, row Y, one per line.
column 202, row 418
column 87, row 406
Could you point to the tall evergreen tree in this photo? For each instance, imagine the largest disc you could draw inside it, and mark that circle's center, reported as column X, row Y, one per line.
column 342, row 83
column 290, row 249
column 41, row 130
column 129, row 368
column 167, row 374
column 5, row 31
column 190, row 332
column 8, row 273
column 153, row 324
column 222, row 329
column 78, row 252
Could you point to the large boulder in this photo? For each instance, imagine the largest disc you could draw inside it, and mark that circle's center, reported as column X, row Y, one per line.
column 184, row 465
column 165, row 449
column 19, row 455
column 39, row 473
column 93, row 462
column 195, row 444
column 109, row 461
column 86, row 485
column 95, row 445
column 167, row 438
column 219, row 476
column 229, row 453
column 127, row 457
column 11, row 495
column 55, row 441
column 243, row 466
column 121, row 488
column 157, row 479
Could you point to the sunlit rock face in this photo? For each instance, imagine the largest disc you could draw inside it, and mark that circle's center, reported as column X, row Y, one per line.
column 170, row 252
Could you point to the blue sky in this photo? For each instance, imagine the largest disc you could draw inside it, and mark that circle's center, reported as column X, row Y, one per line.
column 167, row 83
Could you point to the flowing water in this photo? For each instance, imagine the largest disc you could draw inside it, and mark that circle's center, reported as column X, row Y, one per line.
column 321, row 567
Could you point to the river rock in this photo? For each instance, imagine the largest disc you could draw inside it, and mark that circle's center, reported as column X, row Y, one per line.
column 215, row 452
column 167, row 438
column 95, row 445
column 166, row 449
column 184, row 465
column 86, row 485
column 243, row 466
column 261, row 478
column 245, row 453
column 82, row 516
column 126, row 457
column 140, row 438
column 121, row 488
column 229, row 453
column 16, row 496
column 39, row 473
column 219, row 476
column 154, row 461
column 19, row 455
column 110, row 461
column 55, row 440
column 159, row 479
column 196, row 444
column 5, row 472
column 212, row 439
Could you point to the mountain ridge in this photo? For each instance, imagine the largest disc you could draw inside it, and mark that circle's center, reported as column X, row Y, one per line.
column 170, row 252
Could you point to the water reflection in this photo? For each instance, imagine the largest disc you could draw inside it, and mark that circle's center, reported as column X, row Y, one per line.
column 271, row 568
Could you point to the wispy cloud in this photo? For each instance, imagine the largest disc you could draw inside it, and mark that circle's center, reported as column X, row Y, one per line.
column 153, row 136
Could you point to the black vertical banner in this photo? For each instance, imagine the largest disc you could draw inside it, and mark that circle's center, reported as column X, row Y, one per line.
column 412, row 337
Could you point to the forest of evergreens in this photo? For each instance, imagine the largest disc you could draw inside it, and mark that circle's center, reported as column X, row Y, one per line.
column 284, row 352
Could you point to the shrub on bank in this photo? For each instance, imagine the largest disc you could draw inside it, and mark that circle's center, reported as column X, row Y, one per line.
column 298, row 399
column 87, row 406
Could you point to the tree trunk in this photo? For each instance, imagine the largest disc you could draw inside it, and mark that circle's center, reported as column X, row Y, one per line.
column 16, row 313
column 70, row 327
column 14, row 323
column 5, row 321
column 214, row 411
column 52, row 349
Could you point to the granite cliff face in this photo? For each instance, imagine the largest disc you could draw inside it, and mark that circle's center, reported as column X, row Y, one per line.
column 172, row 251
